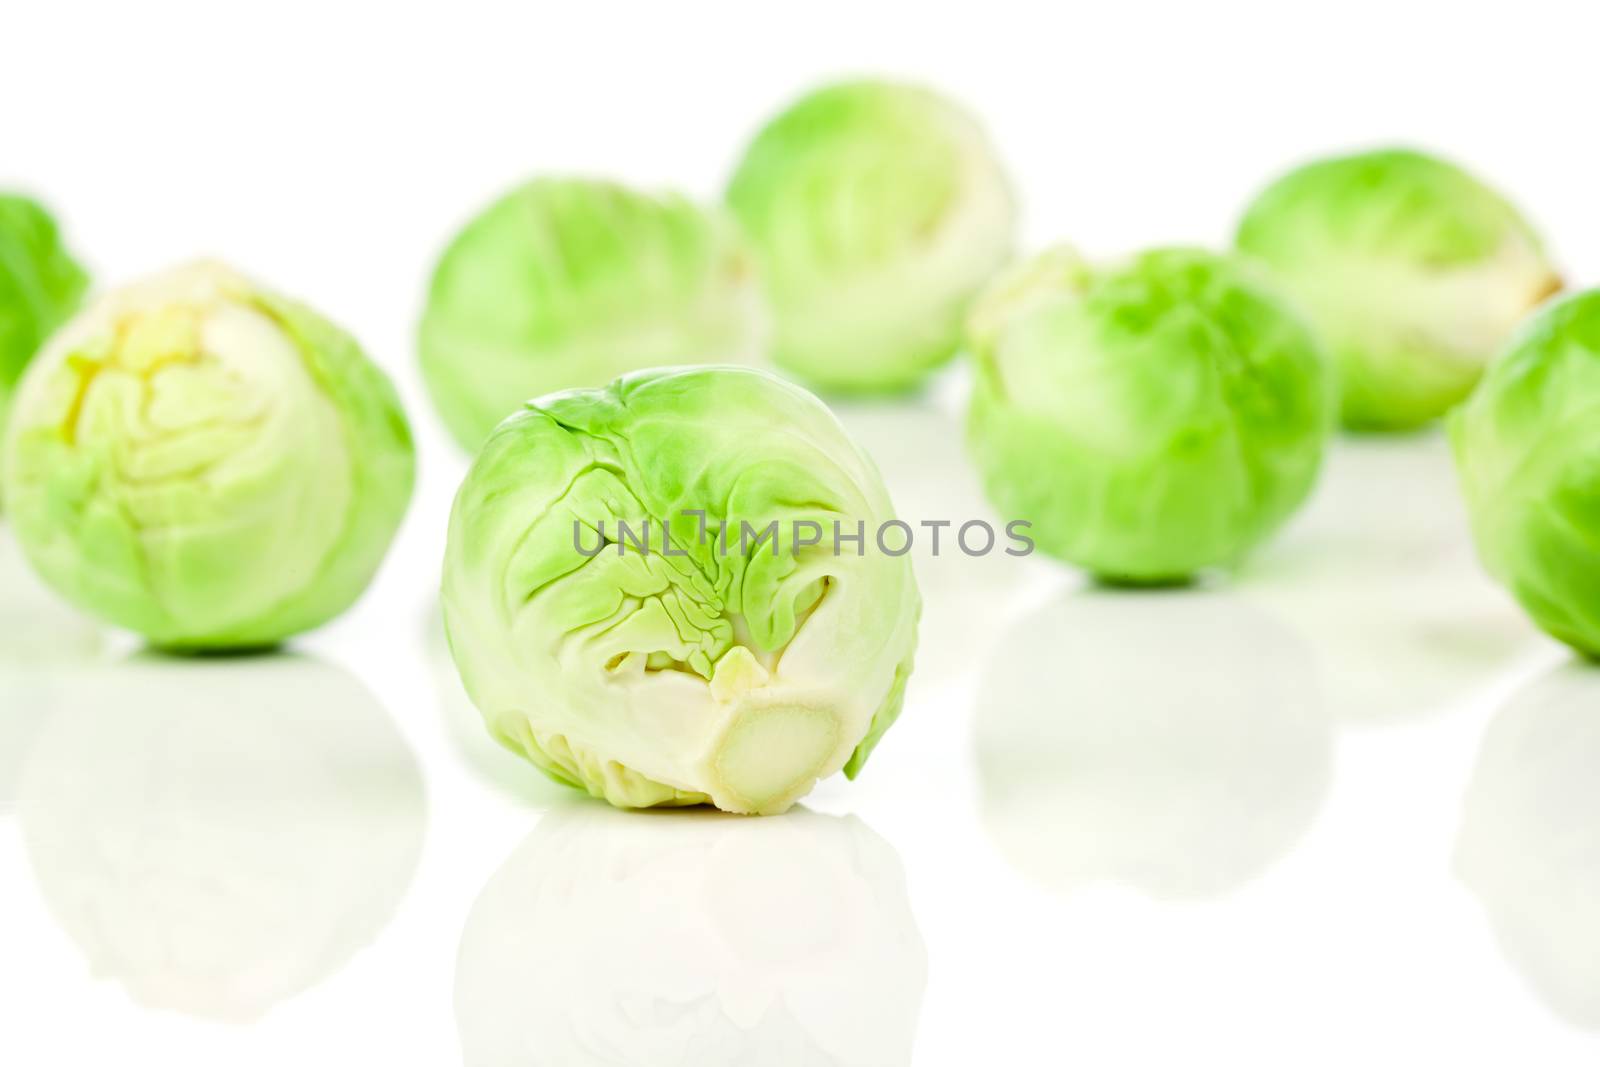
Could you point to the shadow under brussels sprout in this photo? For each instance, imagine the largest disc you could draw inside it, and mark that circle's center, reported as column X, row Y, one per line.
column 1527, row 847
column 664, row 938
column 1178, row 745
column 1380, row 575
column 216, row 864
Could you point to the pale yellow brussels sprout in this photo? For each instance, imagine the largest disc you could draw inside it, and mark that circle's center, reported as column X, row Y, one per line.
column 649, row 594
column 207, row 463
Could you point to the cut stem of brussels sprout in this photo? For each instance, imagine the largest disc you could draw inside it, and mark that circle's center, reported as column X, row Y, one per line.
column 770, row 756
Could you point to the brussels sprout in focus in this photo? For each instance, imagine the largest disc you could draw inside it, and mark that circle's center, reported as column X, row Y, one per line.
column 711, row 665
column 1413, row 271
column 1150, row 419
column 1527, row 447
column 878, row 210
column 40, row 285
column 205, row 462
column 565, row 283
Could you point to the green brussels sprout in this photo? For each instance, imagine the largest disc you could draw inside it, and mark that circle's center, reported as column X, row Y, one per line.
column 1413, row 271
column 1150, row 419
column 878, row 211
column 568, row 283
column 674, row 591
column 1527, row 446
column 206, row 463
column 40, row 285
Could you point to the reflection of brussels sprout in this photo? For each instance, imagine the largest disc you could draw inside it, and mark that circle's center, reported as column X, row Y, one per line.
column 1528, row 450
column 220, row 836
column 206, row 463
column 39, row 636
column 1183, row 780
column 724, row 669
column 1150, row 419
column 565, row 283
column 877, row 211
column 1379, row 575
column 1414, row 271
column 40, row 285
column 1527, row 845
column 689, row 938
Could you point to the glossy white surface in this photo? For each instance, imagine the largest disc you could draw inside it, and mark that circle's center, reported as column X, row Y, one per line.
column 1343, row 809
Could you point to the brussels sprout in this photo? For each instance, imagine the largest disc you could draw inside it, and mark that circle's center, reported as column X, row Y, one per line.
column 206, row 463
column 877, row 210
column 1414, row 272
column 567, row 283
column 40, row 285
column 760, row 643
column 1527, row 448
column 1151, row 419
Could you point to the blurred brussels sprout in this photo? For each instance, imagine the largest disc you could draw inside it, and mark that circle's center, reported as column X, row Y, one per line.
column 877, row 210
column 1151, row 418
column 1527, row 447
column 567, row 283
column 1414, row 272
column 671, row 591
column 207, row 463
column 40, row 285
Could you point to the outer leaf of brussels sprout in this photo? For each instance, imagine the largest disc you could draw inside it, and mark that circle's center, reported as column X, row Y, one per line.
column 1527, row 447
column 40, row 285
column 877, row 211
column 1152, row 419
column 739, row 675
column 1413, row 271
column 566, row 283
column 206, row 463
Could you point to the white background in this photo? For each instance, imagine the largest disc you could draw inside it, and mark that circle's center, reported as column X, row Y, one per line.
column 1262, row 872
